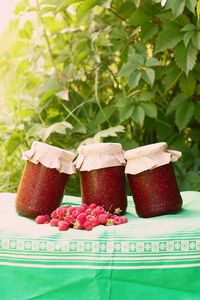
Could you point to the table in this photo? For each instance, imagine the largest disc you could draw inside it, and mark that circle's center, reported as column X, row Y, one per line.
column 155, row 258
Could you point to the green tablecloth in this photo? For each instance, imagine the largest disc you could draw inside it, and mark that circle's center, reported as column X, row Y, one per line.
column 156, row 258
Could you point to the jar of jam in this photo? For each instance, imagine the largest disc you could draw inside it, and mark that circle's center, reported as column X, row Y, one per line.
column 43, row 180
column 152, row 180
column 102, row 176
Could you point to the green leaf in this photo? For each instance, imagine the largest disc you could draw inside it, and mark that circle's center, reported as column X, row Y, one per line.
column 189, row 27
column 196, row 39
column 150, row 109
column 126, row 111
column 169, row 37
column 66, row 3
column 146, row 96
column 14, row 142
column 148, row 30
column 152, row 62
column 184, row 114
column 197, row 113
column 176, row 6
column 85, row 7
column 138, row 115
column 149, row 76
column 187, row 84
column 127, row 69
column 105, row 114
column 187, row 37
column 191, row 4
column 185, row 57
column 137, row 2
column 176, row 102
column 134, row 79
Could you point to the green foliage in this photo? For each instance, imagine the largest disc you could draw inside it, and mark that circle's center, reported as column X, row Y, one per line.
column 93, row 70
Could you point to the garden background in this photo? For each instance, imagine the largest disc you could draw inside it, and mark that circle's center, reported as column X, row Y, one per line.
column 77, row 72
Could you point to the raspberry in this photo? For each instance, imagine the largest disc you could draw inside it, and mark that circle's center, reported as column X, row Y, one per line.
column 81, row 209
column 88, row 227
column 103, row 218
column 40, row 219
column 54, row 214
column 84, row 205
column 124, row 220
column 75, row 212
column 61, row 211
column 116, row 220
column 98, row 210
column 81, row 217
column 54, row 222
column 95, row 222
column 71, row 209
column 92, row 205
column 47, row 219
column 87, row 224
column 88, row 211
column 62, row 226
column 69, row 219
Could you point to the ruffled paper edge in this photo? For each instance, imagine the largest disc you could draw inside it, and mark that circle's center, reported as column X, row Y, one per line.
column 56, row 158
column 151, row 161
column 95, row 162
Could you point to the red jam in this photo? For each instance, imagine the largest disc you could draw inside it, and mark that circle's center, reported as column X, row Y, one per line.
column 40, row 190
column 105, row 187
column 155, row 192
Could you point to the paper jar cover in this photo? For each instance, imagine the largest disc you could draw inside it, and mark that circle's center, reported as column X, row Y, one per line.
column 149, row 157
column 50, row 157
column 99, row 155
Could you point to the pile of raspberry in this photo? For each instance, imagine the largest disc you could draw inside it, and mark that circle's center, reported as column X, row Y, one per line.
column 80, row 217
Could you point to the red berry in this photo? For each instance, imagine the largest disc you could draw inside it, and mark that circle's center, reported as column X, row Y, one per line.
column 40, row 219
column 103, row 218
column 124, row 220
column 87, row 224
column 92, row 205
column 95, row 222
column 71, row 209
column 88, row 227
column 84, row 205
column 54, row 214
column 98, row 210
column 62, row 226
column 47, row 218
column 54, row 222
column 69, row 219
column 81, row 217
column 61, row 211
column 117, row 220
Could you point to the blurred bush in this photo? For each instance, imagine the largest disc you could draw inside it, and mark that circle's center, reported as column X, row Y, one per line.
column 123, row 71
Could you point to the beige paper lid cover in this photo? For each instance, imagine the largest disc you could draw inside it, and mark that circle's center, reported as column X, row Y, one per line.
column 149, row 157
column 99, row 155
column 51, row 157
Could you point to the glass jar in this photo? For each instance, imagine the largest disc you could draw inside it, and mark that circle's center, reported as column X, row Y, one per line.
column 102, row 176
column 152, row 180
column 43, row 180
